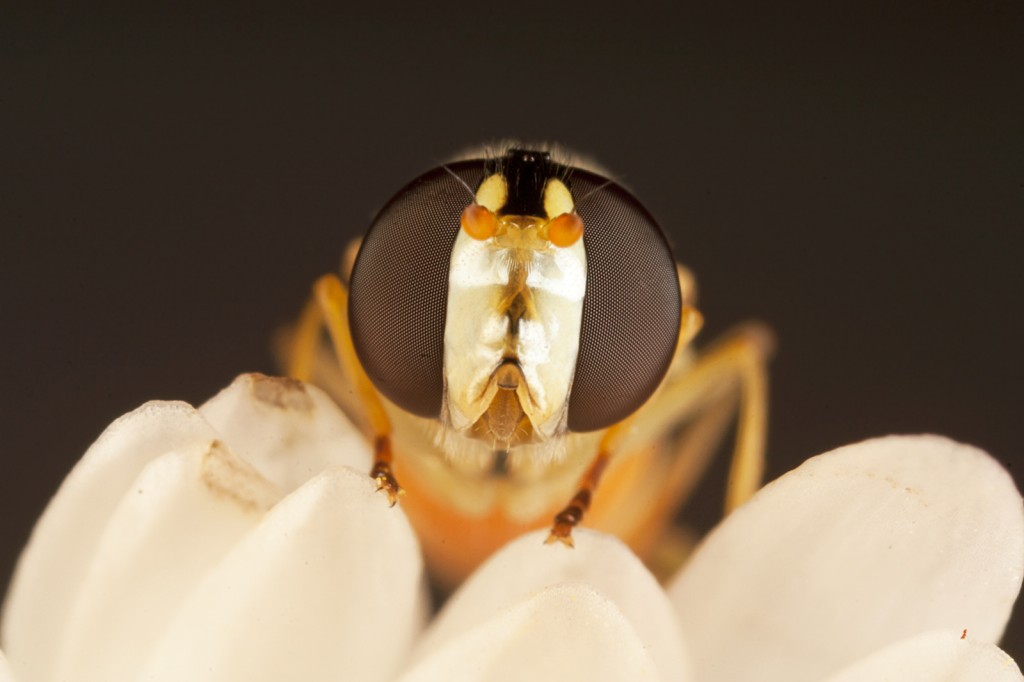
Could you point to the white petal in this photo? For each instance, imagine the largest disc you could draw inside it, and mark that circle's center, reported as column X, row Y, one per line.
column 288, row 430
column 180, row 517
column 53, row 565
column 328, row 587
column 565, row 632
column 5, row 672
column 527, row 565
column 935, row 657
column 866, row 545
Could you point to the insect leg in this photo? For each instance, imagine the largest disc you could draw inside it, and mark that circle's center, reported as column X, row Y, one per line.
column 741, row 357
column 304, row 342
column 660, row 455
column 329, row 307
column 687, row 417
column 570, row 517
column 301, row 345
column 572, row 514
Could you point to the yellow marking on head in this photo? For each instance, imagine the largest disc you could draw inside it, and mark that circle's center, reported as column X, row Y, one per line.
column 493, row 193
column 557, row 198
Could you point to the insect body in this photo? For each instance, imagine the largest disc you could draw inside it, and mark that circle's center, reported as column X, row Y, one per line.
column 511, row 328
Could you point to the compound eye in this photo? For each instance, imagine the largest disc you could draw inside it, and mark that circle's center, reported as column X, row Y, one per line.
column 399, row 287
column 631, row 310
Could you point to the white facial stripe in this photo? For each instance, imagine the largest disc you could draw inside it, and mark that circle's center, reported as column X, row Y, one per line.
column 561, row 273
column 477, row 329
column 473, row 265
column 549, row 344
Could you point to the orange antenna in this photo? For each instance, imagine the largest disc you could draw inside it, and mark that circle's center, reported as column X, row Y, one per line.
column 565, row 230
column 478, row 222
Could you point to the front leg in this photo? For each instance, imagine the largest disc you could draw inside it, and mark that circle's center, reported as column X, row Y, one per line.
column 570, row 517
column 328, row 307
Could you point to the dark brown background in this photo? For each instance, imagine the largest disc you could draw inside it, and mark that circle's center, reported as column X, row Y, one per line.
column 170, row 184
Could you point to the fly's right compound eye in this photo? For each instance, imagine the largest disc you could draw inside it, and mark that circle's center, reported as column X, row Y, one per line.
column 399, row 287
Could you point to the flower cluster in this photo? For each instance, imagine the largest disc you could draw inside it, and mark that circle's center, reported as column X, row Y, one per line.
column 243, row 541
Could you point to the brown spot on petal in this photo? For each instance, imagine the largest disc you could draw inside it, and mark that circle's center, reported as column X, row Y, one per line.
column 229, row 476
column 281, row 392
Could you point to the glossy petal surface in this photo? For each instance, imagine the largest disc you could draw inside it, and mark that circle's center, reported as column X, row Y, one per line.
column 63, row 544
column 5, row 672
column 869, row 544
column 287, row 430
column 329, row 586
column 935, row 657
column 183, row 513
column 526, row 566
column 564, row 632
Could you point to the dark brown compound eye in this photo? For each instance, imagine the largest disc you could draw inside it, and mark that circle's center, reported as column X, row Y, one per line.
column 399, row 287
column 632, row 306
column 631, row 309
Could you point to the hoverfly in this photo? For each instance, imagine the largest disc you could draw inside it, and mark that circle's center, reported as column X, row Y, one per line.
column 512, row 331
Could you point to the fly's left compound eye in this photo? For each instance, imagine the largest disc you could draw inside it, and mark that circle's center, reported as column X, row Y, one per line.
column 399, row 287
column 631, row 309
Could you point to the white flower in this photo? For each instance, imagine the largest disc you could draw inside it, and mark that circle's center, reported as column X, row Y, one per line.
column 244, row 541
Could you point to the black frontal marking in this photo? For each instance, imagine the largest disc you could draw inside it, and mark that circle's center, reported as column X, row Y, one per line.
column 527, row 173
